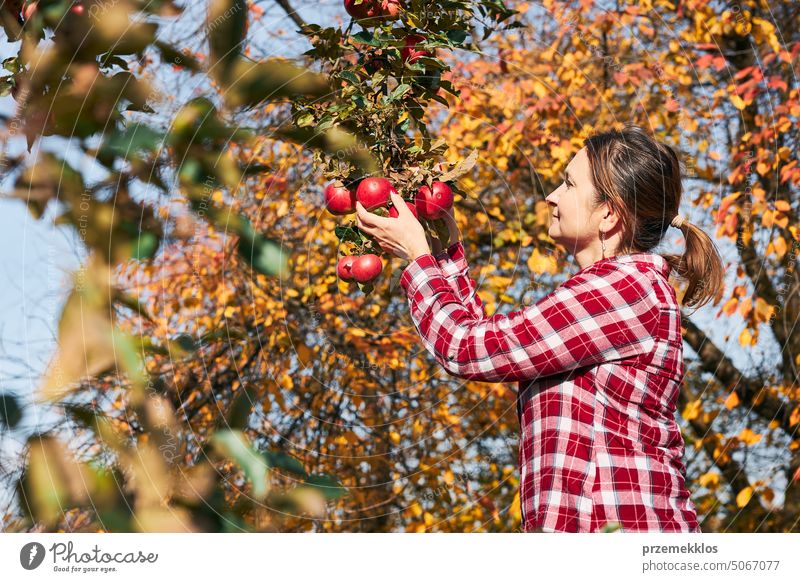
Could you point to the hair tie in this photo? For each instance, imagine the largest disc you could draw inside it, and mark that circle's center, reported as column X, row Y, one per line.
column 678, row 221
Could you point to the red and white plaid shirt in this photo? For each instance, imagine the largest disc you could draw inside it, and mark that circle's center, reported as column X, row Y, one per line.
column 599, row 363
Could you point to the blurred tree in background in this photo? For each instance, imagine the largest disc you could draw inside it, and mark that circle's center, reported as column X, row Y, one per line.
column 209, row 342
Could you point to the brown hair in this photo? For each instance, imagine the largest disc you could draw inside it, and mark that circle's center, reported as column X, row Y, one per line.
column 640, row 178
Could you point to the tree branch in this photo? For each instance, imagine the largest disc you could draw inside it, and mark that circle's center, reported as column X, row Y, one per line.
column 753, row 394
column 292, row 13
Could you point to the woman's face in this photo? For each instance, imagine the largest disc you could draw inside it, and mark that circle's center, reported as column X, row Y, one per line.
column 574, row 222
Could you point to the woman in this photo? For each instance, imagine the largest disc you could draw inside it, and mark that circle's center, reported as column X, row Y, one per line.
column 599, row 360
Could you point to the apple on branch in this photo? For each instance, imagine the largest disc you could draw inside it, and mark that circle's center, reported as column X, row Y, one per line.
column 434, row 201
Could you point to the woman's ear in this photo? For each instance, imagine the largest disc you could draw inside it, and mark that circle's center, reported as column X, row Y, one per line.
column 610, row 218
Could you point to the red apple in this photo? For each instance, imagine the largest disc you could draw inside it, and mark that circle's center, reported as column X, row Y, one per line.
column 391, row 8
column 29, row 10
column 77, row 9
column 394, row 213
column 366, row 9
column 366, row 268
column 374, row 192
column 339, row 200
column 344, row 268
column 410, row 52
column 433, row 202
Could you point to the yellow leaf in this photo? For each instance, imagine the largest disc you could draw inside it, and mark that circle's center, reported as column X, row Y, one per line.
column 746, row 338
column 748, row 437
column 744, row 496
column 737, row 102
column 780, row 246
column 709, row 480
column 540, row 263
column 732, row 401
column 692, row 410
column 763, row 310
column 395, row 437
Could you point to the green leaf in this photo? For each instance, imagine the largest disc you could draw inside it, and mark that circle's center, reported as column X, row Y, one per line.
column 431, row 63
column 347, row 233
column 145, row 246
column 6, row 84
column 403, row 126
column 335, row 141
column 328, row 486
column 264, row 255
column 133, row 139
column 12, row 64
column 233, row 445
column 398, row 92
column 173, row 56
column 456, row 36
column 10, row 412
column 438, row 98
column 240, row 409
column 280, row 460
column 251, row 83
column 349, row 76
column 304, row 119
column 365, row 37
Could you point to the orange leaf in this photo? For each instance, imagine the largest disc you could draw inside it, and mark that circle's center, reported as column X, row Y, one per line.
column 748, row 437
column 732, row 401
column 743, row 498
column 730, row 306
column 795, row 416
column 692, row 409
column 725, row 204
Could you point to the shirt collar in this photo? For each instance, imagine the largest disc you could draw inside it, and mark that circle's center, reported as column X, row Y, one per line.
column 649, row 260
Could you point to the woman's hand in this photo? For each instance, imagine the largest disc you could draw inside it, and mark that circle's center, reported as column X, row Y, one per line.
column 403, row 236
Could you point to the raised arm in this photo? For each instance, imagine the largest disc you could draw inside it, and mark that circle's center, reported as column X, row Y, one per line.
column 605, row 312
column 455, row 269
column 453, row 262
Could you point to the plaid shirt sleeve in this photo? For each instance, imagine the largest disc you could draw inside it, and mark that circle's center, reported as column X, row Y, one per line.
column 605, row 312
column 455, row 269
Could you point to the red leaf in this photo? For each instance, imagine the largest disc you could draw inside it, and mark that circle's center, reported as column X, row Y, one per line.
column 743, row 73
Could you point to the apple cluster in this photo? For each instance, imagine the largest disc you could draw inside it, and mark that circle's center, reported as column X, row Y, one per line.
column 373, row 9
column 30, row 8
column 431, row 202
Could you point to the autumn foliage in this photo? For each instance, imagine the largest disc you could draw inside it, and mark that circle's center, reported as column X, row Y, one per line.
column 268, row 393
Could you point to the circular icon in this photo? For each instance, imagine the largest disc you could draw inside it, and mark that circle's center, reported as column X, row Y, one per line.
column 31, row 555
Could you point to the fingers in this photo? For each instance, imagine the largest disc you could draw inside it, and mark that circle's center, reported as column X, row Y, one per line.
column 363, row 215
column 399, row 204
